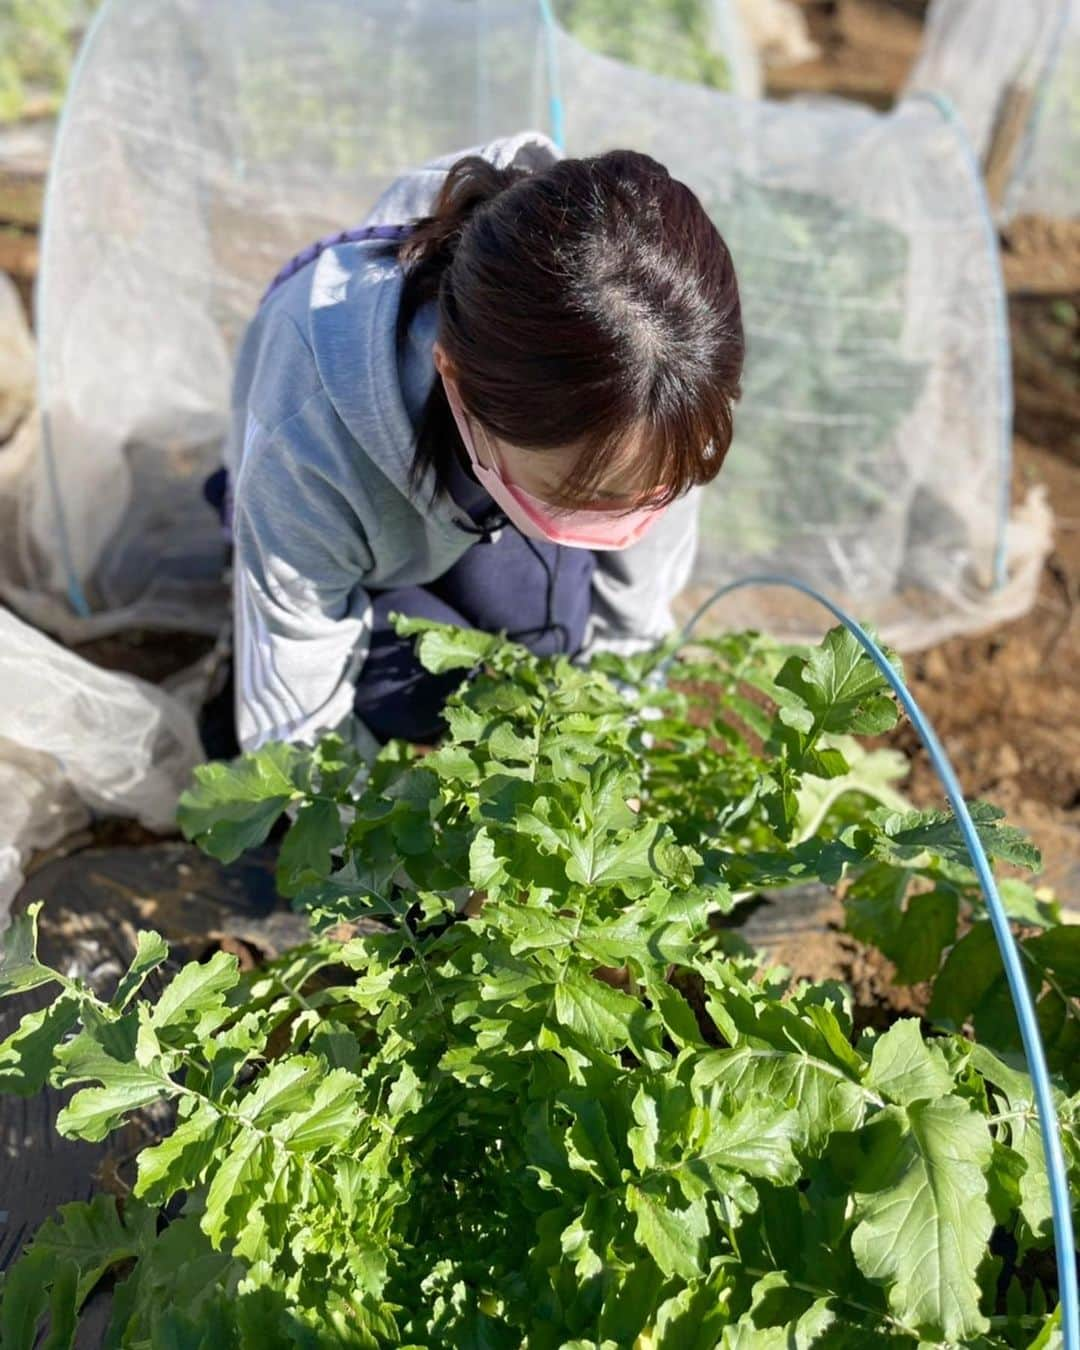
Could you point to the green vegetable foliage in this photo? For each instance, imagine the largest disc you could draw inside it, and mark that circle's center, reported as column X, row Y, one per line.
column 549, row 1100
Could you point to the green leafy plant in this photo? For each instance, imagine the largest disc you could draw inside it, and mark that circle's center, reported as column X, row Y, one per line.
column 521, row 1087
column 935, row 929
column 676, row 38
column 37, row 44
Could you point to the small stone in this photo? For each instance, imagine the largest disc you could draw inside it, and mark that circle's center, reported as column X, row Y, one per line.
column 1009, row 763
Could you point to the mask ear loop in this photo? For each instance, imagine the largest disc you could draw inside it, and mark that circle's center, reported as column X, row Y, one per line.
column 486, row 443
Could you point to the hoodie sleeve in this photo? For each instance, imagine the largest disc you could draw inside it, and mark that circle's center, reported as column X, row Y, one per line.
column 633, row 589
column 302, row 616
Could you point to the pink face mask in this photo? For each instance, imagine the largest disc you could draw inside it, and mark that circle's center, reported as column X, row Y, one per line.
column 538, row 519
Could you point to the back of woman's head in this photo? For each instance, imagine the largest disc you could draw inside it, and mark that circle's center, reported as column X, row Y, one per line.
column 582, row 305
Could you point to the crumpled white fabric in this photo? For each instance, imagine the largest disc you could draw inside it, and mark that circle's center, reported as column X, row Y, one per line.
column 76, row 739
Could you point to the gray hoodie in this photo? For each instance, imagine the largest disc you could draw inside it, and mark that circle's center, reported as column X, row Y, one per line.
column 324, row 416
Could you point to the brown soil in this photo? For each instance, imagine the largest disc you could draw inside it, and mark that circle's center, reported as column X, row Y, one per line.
column 803, row 931
column 867, row 48
column 1046, row 375
column 148, row 654
column 1041, row 256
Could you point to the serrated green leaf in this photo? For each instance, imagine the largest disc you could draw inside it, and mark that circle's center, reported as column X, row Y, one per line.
column 20, row 968
column 485, row 866
column 674, row 1238
column 825, row 762
column 285, row 1088
column 454, row 764
column 675, row 1013
column 969, row 971
column 603, row 862
column 26, row 1056
column 533, row 928
column 232, row 807
column 927, row 928
column 336, row 1043
column 909, row 835
column 330, row 1118
column 873, row 905
column 904, row 1068
column 692, row 1319
column 63, row 1306
column 307, row 849
column 507, row 746
column 443, row 648
column 1025, row 1137
column 604, row 1016
column 406, row 1095
column 589, row 1145
column 72, row 1250
column 1006, row 1172
column 800, row 718
column 24, row 1297
column 841, row 686
column 645, row 1134
column 95, row 1112
column 1056, row 952
column 754, row 1139
column 126, row 1085
column 781, row 1318
column 923, row 1217
column 827, row 1102
column 181, row 1158
column 1023, row 904
column 151, row 951
column 196, row 994
column 238, row 1189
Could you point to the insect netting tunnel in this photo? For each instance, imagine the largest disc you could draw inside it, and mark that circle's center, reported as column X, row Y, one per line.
column 205, row 142
column 1012, row 72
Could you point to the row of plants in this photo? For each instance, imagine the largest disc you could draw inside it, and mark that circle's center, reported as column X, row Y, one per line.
column 680, row 39
column 551, row 1098
column 37, row 43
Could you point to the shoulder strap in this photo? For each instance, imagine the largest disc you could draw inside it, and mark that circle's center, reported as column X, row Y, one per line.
column 309, row 254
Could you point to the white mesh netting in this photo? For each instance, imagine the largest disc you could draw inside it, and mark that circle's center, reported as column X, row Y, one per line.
column 75, row 740
column 1012, row 72
column 700, row 41
column 204, row 143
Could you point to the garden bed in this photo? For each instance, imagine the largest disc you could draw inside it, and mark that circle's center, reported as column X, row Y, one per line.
column 528, row 1013
column 1006, row 705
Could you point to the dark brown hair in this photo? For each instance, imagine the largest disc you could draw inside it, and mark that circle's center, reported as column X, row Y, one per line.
column 577, row 303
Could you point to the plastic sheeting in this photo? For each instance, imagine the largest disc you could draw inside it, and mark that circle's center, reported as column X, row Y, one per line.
column 204, row 143
column 75, row 739
column 1012, row 72
column 1046, row 178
